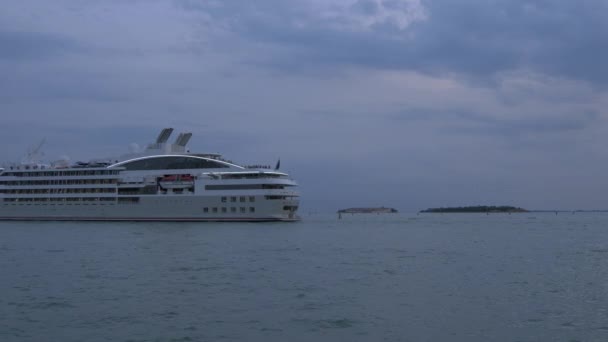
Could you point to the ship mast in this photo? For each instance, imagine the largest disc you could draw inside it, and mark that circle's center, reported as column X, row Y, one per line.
column 34, row 154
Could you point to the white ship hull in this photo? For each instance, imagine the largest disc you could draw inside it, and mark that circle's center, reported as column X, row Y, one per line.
column 154, row 208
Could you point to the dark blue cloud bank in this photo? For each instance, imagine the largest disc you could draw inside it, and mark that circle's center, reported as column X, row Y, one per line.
column 469, row 37
column 33, row 45
column 372, row 102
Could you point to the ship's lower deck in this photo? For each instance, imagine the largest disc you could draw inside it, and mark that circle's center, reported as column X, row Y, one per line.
column 157, row 208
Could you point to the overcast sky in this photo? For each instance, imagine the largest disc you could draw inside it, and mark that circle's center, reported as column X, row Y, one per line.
column 402, row 103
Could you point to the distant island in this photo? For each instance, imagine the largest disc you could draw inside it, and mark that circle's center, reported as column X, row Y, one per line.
column 381, row 210
column 477, row 209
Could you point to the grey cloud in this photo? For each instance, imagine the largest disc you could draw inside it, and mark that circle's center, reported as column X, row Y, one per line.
column 537, row 126
column 475, row 38
column 554, row 136
column 61, row 84
column 533, row 131
column 369, row 7
column 34, row 45
column 557, row 37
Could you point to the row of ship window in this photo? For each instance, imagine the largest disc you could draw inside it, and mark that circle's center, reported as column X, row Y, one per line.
column 225, row 209
column 250, row 176
column 59, row 191
column 244, row 186
column 61, row 182
column 75, row 200
column 240, row 199
column 62, row 199
column 62, row 173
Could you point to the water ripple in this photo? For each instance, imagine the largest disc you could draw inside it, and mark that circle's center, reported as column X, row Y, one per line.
column 423, row 278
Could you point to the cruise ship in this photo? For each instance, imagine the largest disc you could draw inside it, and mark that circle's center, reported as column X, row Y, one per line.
column 163, row 182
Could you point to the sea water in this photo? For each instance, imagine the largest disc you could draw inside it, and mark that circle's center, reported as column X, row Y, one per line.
column 392, row 277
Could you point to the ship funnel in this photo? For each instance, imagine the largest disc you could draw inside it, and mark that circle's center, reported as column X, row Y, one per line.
column 182, row 139
column 164, row 135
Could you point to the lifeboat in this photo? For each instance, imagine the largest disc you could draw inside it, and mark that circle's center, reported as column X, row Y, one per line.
column 176, row 181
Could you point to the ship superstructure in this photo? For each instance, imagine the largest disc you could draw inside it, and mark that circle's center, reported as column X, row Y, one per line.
column 164, row 182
